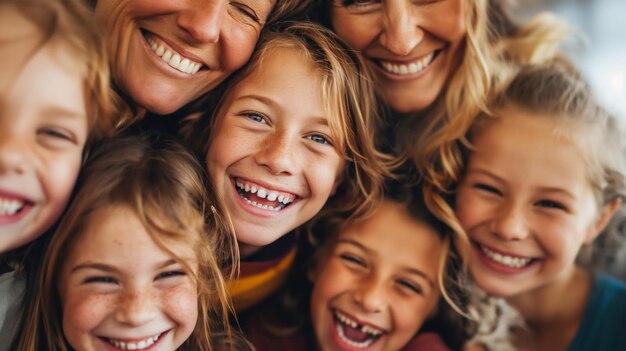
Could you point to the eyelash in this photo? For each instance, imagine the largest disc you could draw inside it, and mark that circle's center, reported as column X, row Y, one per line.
column 247, row 11
column 103, row 280
column 352, row 259
column 487, row 188
column 255, row 116
column 551, row 204
column 410, row 286
column 55, row 134
column 170, row 274
column 324, row 140
column 356, row 3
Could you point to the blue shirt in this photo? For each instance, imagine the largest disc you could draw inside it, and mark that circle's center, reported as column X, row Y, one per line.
column 604, row 322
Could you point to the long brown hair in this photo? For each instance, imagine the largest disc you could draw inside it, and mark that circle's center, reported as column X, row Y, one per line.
column 163, row 183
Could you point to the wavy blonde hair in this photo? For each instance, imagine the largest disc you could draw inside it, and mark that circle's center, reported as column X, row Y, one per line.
column 69, row 23
column 163, row 183
column 350, row 100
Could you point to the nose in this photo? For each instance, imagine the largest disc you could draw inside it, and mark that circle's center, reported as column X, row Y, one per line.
column 401, row 32
column 277, row 154
column 202, row 20
column 510, row 223
column 14, row 152
column 370, row 295
column 136, row 308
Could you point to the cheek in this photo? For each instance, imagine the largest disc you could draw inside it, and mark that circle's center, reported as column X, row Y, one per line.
column 181, row 305
column 84, row 312
column 237, row 48
column 408, row 318
column 324, row 174
column 358, row 33
column 57, row 178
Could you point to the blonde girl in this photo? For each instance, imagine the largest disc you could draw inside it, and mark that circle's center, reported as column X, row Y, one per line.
column 294, row 128
column 545, row 174
column 134, row 262
column 55, row 102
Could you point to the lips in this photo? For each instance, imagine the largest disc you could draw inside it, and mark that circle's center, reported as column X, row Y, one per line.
column 133, row 344
column 172, row 57
column 409, row 68
column 263, row 197
column 353, row 333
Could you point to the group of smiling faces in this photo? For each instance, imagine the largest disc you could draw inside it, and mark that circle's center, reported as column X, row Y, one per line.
column 288, row 135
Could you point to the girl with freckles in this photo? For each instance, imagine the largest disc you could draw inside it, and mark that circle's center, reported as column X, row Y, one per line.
column 294, row 128
column 133, row 264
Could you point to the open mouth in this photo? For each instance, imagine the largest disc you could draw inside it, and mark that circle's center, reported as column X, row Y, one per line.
column 125, row 344
column 409, row 68
column 170, row 56
column 506, row 260
column 261, row 197
column 11, row 207
column 354, row 334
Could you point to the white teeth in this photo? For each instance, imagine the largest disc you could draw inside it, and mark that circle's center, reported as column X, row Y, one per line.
column 347, row 321
column 172, row 58
column 282, row 200
column 364, row 328
column 9, row 207
column 412, row 68
column 143, row 344
column 510, row 261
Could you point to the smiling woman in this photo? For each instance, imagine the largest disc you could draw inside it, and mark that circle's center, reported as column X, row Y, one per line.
column 164, row 54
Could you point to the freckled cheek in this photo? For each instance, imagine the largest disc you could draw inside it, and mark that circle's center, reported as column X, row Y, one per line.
column 180, row 304
column 84, row 312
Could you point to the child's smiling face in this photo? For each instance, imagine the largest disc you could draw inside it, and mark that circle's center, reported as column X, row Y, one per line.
column 118, row 287
column 43, row 129
column 527, row 204
column 377, row 285
column 272, row 157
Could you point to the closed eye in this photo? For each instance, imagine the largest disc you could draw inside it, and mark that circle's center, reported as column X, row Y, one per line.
column 352, row 259
column 487, row 188
column 56, row 134
column 99, row 279
column 358, row 4
column 247, row 11
column 410, row 286
column 551, row 204
column 170, row 274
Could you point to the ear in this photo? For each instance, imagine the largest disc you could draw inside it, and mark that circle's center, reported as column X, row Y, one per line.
column 603, row 220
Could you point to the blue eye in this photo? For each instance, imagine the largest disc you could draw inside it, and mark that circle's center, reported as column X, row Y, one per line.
column 319, row 139
column 255, row 117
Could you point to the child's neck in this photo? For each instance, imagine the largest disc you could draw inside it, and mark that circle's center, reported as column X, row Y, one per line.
column 553, row 312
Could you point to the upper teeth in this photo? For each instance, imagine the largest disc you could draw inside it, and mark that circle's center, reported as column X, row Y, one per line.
column 264, row 193
column 510, row 261
column 410, row 68
column 364, row 328
column 171, row 57
column 9, row 207
column 134, row 345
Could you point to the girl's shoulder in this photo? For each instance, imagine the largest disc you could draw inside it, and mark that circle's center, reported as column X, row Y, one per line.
column 604, row 317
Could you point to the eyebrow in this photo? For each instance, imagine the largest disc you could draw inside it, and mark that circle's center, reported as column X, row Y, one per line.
column 407, row 269
column 272, row 103
column 58, row 111
column 112, row 269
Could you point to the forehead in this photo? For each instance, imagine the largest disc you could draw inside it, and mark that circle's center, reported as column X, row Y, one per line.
column 396, row 237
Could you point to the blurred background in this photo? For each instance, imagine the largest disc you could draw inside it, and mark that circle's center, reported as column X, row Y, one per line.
column 603, row 58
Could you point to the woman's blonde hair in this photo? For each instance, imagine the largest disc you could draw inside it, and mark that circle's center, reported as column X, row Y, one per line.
column 163, row 183
column 69, row 23
column 350, row 100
